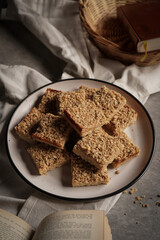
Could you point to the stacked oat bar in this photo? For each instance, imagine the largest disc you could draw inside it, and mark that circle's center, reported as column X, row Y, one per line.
column 84, row 127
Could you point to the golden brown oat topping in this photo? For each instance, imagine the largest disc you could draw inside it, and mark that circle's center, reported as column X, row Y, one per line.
column 46, row 157
column 109, row 101
column 84, row 174
column 85, row 118
column 28, row 125
column 98, row 148
column 129, row 151
column 53, row 130
column 122, row 119
column 66, row 100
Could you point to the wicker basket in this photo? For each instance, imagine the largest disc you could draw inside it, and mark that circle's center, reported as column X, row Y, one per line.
column 100, row 20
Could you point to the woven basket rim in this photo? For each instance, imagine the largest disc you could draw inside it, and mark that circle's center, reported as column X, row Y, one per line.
column 99, row 39
column 95, row 34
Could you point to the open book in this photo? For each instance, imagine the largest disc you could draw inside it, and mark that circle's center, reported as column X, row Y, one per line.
column 70, row 224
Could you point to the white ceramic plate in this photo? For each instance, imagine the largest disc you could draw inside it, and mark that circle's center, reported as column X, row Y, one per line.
column 58, row 182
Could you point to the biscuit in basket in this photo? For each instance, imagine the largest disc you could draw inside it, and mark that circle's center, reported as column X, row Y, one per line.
column 85, row 174
column 109, row 101
column 98, row 148
column 85, row 118
column 52, row 130
column 46, row 157
column 122, row 119
column 28, row 125
column 129, row 151
column 48, row 101
column 70, row 99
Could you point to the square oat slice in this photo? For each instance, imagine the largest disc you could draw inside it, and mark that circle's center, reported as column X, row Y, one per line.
column 66, row 100
column 109, row 101
column 122, row 119
column 98, row 148
column 52, row 130
column 85, row 118
column 47, row 157
column 85, row 174
column 28, row 125
column 129, row 151
column 48, row 101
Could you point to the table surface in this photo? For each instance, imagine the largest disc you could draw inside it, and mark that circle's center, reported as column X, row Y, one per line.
column 128, row 220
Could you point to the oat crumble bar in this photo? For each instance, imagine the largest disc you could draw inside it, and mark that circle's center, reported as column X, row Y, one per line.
column 66, row 100
column 28, row 125
column 98, row 148
column 129, row 151
column 109, row 101
column 85, row 118
column 122, row 119
column 52, row 130
column 85, row 174
column 47, row 158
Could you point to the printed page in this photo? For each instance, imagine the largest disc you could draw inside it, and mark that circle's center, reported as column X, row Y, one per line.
column 107, row 230
column 13, row 227
column 73, row 224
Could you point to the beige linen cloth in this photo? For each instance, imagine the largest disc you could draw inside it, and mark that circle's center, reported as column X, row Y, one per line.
column 58, row 26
